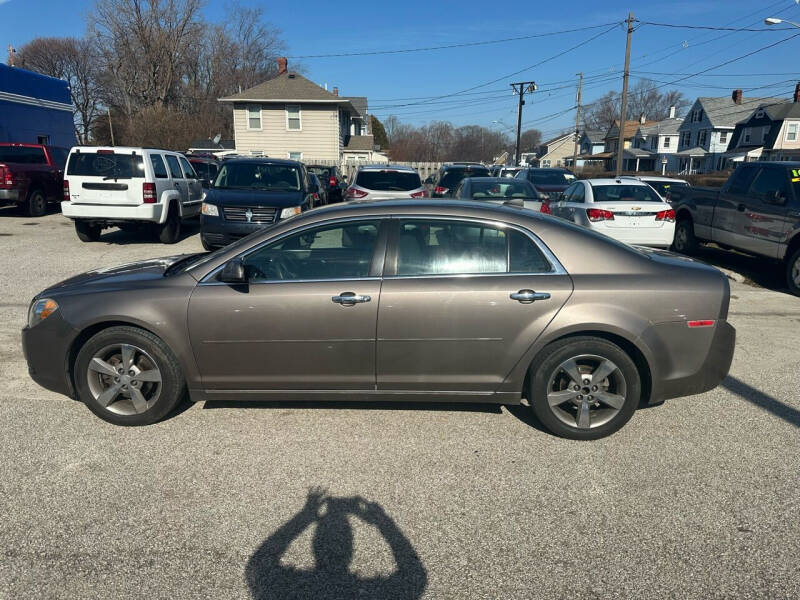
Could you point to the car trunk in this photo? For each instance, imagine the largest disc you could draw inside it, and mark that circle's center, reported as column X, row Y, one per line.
column 633, row 214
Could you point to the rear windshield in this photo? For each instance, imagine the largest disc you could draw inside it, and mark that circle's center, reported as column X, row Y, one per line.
column 512, row 188
column 452, row 177
column 545, row 177
column 320, row 172
column 624, row 193
column 662, row 187
column 258, row 176
column 21, row 154
column 106, row 164
column 388, row 181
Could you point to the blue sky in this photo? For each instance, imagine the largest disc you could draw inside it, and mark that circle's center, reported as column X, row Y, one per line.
column 660, row 53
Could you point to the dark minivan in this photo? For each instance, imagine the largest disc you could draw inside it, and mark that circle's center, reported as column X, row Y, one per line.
column 250, row 194
column 548, row 182
column 451, row 175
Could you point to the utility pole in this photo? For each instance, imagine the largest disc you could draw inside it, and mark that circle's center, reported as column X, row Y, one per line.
column 524, row 86
column 624, row 108
column 110, row 125
column 577, row 122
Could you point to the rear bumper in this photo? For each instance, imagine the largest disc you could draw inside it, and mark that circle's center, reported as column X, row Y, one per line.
column 9, row 195
column 656, row 237
column 694, row 364
column 107, row 213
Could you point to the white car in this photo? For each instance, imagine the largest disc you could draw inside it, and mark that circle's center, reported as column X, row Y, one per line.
column 384, row 182
column 509, row 171
column 625, row 209
column 113, row 186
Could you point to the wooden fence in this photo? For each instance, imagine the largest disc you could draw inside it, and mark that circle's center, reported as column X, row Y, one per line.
column 348, row 168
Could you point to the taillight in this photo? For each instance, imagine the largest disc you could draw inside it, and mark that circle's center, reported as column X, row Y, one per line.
column 420, row 194
column 704, row 323
column 6, row 176
column 599, row 214
column 66, row 191
column 355, row 193
column 149, row 193
column 440, row 190
column 545, row 208
column 666, row 215
column 332, row 181
column 316, row 196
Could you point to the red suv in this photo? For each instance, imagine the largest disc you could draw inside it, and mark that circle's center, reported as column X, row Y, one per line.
column 31, row 175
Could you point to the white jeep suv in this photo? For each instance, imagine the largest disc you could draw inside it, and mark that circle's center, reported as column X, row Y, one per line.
column 129, row 187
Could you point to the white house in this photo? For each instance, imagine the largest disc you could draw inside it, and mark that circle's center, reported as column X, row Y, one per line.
column 707, row 129
column 654, row 142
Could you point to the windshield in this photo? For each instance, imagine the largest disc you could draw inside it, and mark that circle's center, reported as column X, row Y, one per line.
column 388, row 181
column 452, row 177
column 546, row 177
column 258, row 176
column 106, row 164
column 494, row 190
column 662, row 187
column 624, row 193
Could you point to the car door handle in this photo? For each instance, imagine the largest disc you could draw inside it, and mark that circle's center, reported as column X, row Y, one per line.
column 350, row 298
column 529, row 296
column 740, row 207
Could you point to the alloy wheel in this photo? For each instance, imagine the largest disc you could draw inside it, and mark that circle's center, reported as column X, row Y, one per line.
column 586, row 391
column 124, row 379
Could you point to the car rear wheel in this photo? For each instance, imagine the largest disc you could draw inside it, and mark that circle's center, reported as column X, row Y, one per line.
column 793, row 272
column 584, row 388
column 128, row 376
column 87, row 232
column 684, row 242
column 170, row 231
column 36, row 205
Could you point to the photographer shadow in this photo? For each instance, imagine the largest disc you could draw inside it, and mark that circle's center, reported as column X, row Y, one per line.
column 333, row 545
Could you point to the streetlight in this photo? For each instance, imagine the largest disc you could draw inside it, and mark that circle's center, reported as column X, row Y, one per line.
column 777, row 21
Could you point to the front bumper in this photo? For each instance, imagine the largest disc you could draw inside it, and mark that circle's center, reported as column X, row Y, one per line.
column 46, row 348
column 107, row 213
column 216, row 231
column 689, row 364
column 9, row 195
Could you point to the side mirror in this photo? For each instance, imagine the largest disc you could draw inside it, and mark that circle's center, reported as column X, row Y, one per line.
column 233, row 272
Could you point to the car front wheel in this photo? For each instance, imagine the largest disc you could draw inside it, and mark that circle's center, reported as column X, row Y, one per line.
column 584, row 388
column 128, row 376
column 793, row 272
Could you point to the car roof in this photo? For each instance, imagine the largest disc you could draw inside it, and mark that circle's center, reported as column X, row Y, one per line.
column 265, row 160
column 615, row 181
column 496, row 180
column 389, row 167
column 659, row 178
column 121, row 149
column 462, row 166
column 552, row 169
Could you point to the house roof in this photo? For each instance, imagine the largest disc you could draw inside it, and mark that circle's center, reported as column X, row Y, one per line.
column 360, row 143
column 208, row 144
column 638, row 153
column 359, row 103
column 558, row 138
column 629, row 130
column 289, row 87
column 724, row 112
column 596, row 136
column 784, row 110
column 696, row 151
column 665, row 127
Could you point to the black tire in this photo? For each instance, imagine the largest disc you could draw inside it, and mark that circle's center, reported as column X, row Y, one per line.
column 86, row 231
column 685, row 241
column 172, row 385
column 793, row 272
column 36, row 203
column 170, row 231
column 547, row 368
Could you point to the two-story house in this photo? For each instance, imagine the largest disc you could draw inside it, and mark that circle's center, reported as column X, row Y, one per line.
column 292, row 117
column 590, row 143
column 612, row 143
column 655, row 144
column 707, row 129
column 554, row 152
column 770, row 132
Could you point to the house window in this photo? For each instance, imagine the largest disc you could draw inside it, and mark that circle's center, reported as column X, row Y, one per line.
column 791, row 132
column 295, row 156
column 764, row 134
column 701, row 138
column 723, row 137
column 254, row 116
column 293, row 117
column 666, row 142
column 546, row 162
column 43, row 140
column 747, row 136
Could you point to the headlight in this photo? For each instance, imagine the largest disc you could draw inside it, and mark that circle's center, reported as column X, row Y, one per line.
column 40, row 310
column 290, row 212
column 210, row 209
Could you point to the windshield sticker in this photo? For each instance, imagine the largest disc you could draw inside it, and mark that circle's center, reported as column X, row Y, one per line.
column 795, row 175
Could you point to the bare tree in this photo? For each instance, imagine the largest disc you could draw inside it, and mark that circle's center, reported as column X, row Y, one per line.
column 644, row 99
column 76, row 61
column 529, row 140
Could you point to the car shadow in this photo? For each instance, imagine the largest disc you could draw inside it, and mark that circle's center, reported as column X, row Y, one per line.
column 758, row 271
column 333, row 549
column 146, row 235
column 354, row 404
column 755, row 396
column 16, row 211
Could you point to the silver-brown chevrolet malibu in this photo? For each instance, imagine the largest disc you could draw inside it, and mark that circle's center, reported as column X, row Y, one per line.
column 397, row 300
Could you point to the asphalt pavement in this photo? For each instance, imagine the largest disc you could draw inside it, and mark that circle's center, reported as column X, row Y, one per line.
column 697, row 498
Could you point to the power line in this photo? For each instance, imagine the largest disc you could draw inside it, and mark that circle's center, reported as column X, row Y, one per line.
column 459, row 45
column 712, row 27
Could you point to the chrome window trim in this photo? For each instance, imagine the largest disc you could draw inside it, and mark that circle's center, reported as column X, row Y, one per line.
column 557, row 267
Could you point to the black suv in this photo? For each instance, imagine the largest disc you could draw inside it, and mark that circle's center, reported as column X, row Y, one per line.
column 549, row 182
column 445, row 184
column 250, row 194
column 331, row 181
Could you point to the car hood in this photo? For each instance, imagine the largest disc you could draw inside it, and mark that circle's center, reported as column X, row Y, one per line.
column 118, row 276
column 253, row 198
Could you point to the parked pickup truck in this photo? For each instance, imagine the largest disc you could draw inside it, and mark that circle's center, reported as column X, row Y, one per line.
column 31, row 175
column 757, row 211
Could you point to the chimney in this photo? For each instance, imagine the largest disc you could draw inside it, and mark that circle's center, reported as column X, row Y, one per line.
column 736, row 96
column 283, row 63
column 335, row 91
column 796, row 93
column 11, row 51
column 642, row 120
column 671, row 112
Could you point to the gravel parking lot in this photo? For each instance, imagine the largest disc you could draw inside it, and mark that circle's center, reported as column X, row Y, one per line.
column 696, row 498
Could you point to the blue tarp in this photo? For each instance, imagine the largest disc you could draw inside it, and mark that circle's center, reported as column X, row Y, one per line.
column 27, row 112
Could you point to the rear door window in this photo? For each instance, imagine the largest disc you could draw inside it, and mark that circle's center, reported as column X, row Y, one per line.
column 159, row 169
column 188, row 171
column 741, row 179
column 105, row 164
column 174, row 167
column 388, row 180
